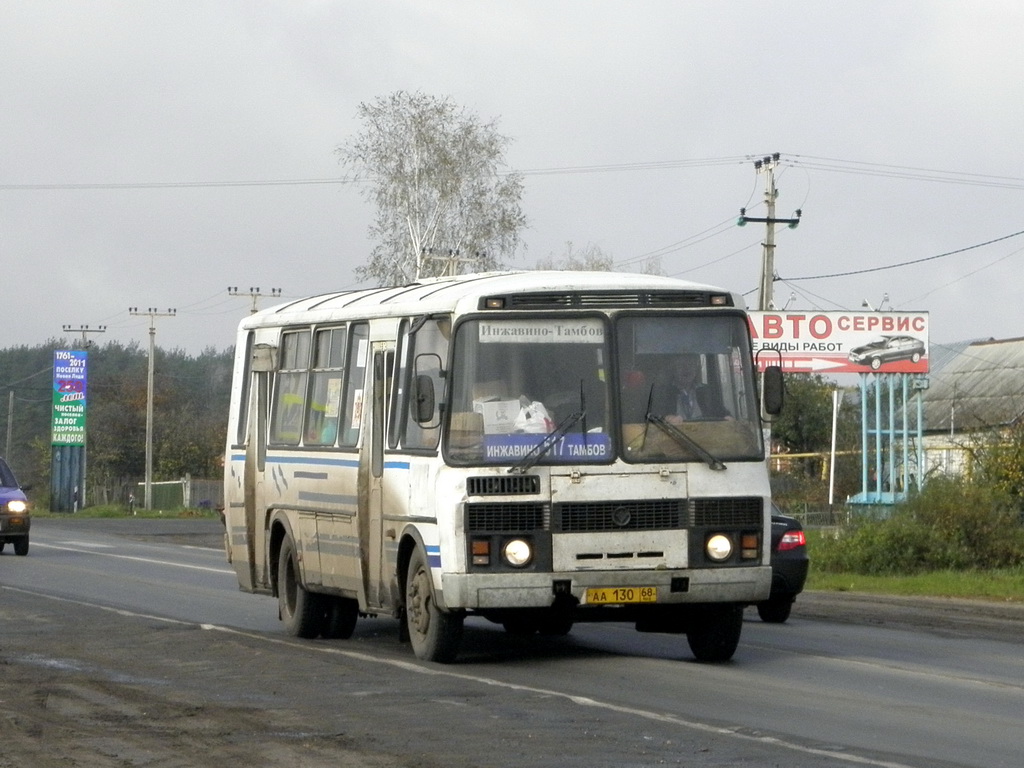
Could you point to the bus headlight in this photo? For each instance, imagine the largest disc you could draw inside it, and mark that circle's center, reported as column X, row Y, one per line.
column 517, row 552
column 16, row 506
column 719, row 547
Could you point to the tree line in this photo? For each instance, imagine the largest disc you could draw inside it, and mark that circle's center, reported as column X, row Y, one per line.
column 190, row 406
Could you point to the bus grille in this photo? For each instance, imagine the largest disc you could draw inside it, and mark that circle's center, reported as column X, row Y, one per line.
column 641, row 515
column 739, row 511
column 507, row 518
column 503, row 485
column 599, row 516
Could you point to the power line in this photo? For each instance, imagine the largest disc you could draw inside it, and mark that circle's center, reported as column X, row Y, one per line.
column 655, row 165
column 715, row 261
column 907, row 172
column 175, row 184
column 47, row 369
column 556, row 171
column 964, row 276
column 906, row 263
column 807, row 162
column 717, row 229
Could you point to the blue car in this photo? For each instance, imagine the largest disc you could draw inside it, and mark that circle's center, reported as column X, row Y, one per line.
column 14, row 516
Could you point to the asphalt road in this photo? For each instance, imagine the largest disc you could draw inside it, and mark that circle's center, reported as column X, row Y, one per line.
column 126, row 642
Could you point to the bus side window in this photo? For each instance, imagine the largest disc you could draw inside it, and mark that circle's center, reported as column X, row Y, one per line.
column 290, row 392
column 351, row 416
column 243, row 401
column 323, row 410
column 423, row 350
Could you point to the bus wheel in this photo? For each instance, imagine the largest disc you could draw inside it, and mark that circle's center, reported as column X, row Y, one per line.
column 714, row 632
column 340, row 618
column 434, row 634
column 21, row 545
column 302, row 612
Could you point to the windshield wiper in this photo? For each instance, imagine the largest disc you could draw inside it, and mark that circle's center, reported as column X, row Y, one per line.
column 684, row 440
column 540, row 450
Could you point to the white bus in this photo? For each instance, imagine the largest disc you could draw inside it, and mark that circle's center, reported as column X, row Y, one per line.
column 504, row 445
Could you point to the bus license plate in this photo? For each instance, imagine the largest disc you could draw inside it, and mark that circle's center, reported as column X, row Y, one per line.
column 619, row 595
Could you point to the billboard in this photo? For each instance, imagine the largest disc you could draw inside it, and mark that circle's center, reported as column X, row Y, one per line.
column 69, row 391
column 841, row 342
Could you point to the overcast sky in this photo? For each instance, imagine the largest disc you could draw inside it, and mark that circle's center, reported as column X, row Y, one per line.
column 899, row 126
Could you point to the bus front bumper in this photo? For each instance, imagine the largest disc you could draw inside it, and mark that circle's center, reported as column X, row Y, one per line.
column 539, row 590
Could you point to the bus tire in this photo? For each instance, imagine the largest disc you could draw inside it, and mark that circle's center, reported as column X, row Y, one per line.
column 435, row 635
column 714, row 632
column 340, row 618
column 301, row 611
column 21, row 545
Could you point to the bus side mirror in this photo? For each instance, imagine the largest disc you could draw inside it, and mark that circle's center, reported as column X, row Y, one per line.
column 264, row 358
column 423, row 398
column 772, row 390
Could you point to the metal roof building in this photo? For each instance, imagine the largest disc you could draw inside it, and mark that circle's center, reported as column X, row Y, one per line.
column 980, row 388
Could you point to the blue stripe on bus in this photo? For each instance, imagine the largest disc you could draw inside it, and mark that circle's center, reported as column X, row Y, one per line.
column 345, row 500
column 434, row 556
column 322, row 462
column 303, row 460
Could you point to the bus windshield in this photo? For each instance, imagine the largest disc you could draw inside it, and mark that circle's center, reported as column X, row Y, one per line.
column 679, row 388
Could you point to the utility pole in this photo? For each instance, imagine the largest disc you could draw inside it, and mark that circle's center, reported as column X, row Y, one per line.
column 255, row 294
column 153, row 315
column 766, row 166
column 85, row 330
column 10, row 421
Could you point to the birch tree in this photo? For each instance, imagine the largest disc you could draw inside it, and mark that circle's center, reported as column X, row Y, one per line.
column 588, row 258
column 434, row 173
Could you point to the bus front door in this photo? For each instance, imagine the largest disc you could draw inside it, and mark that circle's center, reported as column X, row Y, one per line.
column 371, row 469
column 255, row 501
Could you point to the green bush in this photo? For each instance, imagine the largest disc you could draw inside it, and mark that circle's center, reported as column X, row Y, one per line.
column 950, row 524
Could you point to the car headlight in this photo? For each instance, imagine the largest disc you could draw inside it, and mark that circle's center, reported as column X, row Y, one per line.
column 719, row 547
column 16, row 506
column 517, row 552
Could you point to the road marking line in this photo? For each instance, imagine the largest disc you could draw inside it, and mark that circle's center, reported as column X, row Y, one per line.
column 133, row 557
column 583, row 701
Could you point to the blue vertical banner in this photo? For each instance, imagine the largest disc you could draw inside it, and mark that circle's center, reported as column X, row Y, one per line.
column 70, row 376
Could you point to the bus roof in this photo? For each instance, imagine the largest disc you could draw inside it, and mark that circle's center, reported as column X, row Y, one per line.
column 561, row 289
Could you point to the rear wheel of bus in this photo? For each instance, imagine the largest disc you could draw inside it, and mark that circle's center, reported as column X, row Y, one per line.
column 301, row 611
column 340, row 616
column 714, row 632
column 435, row 635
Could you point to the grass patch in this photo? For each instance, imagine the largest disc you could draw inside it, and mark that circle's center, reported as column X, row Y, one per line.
column 1001, row 585
column 117, row 510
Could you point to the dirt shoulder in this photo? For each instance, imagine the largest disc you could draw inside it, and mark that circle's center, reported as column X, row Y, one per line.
column 941, row 615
